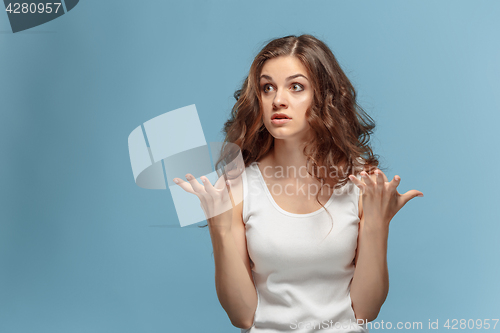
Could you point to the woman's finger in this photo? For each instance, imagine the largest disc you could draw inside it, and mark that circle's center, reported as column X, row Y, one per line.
column 208, row 187
column 358, row 183
column 383, row 175
column 404, row 198
column 395, row 182
column 186, row 186
column 219, row 194
column 197, row 187
column 380, row 180
column 366, row 178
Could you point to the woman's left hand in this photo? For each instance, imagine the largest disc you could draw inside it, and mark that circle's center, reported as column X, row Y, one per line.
column 381, row 200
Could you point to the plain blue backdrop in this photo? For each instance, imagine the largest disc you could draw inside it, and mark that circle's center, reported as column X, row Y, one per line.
column 84, row 249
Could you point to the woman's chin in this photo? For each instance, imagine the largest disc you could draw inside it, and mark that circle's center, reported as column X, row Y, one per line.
column 280, row 134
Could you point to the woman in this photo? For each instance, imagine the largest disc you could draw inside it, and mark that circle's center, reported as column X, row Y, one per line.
column 285, row 262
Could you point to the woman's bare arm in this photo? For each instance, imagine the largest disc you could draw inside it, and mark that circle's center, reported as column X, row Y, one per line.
column 370, row 283
column 233, row 277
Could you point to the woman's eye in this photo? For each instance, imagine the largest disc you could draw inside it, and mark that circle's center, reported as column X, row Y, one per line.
column 298, row 85
column 266, row 86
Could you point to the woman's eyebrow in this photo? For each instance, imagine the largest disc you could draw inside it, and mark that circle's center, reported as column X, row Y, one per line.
column 291, row 77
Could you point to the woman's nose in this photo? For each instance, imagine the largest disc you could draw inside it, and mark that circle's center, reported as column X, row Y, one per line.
column 280, row 100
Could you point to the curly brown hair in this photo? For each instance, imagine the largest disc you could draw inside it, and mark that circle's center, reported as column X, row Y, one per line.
column 341, row 127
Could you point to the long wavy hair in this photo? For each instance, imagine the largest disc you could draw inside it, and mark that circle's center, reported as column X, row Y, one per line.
column 341, row 127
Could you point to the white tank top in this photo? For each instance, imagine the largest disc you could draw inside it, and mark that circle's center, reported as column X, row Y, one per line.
column 302, row 276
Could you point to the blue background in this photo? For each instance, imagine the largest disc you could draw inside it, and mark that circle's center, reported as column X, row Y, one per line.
column 84, row 249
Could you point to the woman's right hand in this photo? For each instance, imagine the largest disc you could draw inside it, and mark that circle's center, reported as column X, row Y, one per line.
column 214, row 200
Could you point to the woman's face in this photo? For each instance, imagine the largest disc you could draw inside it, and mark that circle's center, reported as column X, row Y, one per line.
column 285, row 88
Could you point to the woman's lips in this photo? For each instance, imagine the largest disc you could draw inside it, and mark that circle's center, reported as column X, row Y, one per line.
column 280, row 121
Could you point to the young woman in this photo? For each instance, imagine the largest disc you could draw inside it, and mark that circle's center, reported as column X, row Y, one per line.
column 285, row 262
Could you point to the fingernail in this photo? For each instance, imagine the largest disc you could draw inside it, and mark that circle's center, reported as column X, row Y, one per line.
column 227, row 182
column 420, row 195
column 176, row 180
